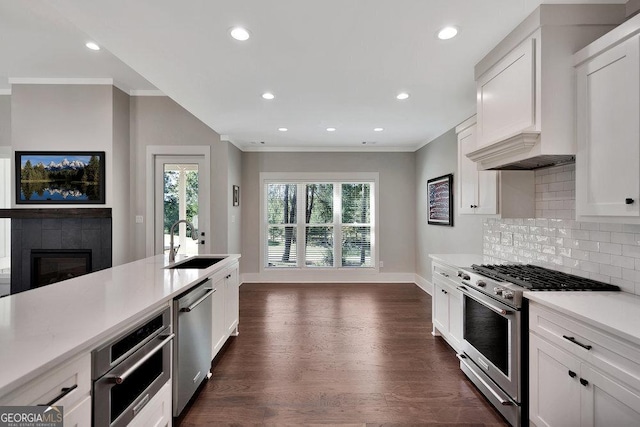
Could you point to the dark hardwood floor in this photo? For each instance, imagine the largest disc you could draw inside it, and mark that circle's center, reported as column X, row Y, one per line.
column 338, row 355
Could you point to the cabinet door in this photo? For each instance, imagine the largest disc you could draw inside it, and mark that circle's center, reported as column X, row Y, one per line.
column 467, row 172
column 608, row 158
column 80, row 415
column 440, row 308
column 477, row 190
column 232, row 297
column 506, row 96
column 606, row 402
column 554, row 385
column 219, row 326
column 455, row 319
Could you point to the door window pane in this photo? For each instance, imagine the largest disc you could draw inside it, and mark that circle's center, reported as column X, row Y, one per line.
column 180, row 201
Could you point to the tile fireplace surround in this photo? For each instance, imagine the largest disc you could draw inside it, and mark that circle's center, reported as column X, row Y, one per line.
column 37, row 229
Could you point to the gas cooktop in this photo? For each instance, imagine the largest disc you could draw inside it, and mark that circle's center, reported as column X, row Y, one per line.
column 535, row 278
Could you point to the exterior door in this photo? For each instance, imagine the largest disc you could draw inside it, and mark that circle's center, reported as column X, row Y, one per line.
column 179, row 185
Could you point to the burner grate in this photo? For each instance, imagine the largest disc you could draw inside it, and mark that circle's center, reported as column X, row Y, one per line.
column 535, row 278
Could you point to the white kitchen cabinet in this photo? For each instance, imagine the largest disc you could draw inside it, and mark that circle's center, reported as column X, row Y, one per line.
column 67, row 385
column 579, row 376
column 218, row 329
column 608, row 125
column 525, row 87
column 156, row 413
column 232, row 300
column 511, row 194
column 446, row 305
column 477, row 190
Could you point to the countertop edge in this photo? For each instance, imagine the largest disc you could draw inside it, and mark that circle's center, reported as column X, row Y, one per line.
column 563, row 309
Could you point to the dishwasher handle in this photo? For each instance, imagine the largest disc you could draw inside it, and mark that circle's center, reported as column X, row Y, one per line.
column 198, row 301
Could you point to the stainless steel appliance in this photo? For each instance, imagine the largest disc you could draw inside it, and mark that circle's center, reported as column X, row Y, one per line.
column 494, row 347
column 192, row 350
column 130, row 369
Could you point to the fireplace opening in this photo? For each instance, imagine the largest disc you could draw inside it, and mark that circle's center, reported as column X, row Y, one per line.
column 51, row 266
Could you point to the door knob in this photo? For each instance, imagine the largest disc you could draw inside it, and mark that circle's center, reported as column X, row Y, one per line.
column 628, row 201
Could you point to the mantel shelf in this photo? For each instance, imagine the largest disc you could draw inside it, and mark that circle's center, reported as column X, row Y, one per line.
column 56, row 213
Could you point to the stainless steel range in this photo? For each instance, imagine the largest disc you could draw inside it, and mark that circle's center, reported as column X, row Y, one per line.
column 494, row 347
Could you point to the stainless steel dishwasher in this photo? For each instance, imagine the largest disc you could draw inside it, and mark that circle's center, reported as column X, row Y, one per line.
column 192, row 348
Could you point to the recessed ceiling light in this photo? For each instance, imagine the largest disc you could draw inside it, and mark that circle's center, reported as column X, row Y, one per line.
column 447, row 33
column 92, row 46
column 403, row 95
column 331, row 129
column 283, row 129
column 239, row 33
column 378, row 129
column 268, row 95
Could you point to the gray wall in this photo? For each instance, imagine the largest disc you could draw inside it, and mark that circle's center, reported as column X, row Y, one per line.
column 80, row 118
column 396, row 204
column 235, row 212
column 158, row 120
column 5, row 120
column 122, row 186
column 437, row 158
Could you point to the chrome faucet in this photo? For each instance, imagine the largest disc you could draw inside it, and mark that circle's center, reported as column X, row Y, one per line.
column 173, row 250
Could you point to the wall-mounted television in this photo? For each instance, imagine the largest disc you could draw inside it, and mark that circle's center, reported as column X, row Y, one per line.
column 60, row 177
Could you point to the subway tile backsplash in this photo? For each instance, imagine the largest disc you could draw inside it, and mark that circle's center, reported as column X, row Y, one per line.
column 600, row 251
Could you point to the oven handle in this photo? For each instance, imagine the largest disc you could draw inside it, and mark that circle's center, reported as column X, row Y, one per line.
column 491, row 307
column 119, row 379
column 502, row 401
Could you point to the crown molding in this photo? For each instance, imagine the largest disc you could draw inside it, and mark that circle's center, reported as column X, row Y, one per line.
column 146, row 92
column 60, row 81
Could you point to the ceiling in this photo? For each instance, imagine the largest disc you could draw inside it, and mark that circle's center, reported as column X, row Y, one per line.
column 329, row 63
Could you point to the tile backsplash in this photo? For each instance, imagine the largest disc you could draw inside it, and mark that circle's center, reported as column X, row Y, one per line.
column 600, row 251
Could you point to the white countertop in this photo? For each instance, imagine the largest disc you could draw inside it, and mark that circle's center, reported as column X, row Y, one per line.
column 43, row 327
column 617, row 313
column 457, row 260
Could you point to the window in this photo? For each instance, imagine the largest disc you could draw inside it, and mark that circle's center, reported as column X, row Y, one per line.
column 313, row 223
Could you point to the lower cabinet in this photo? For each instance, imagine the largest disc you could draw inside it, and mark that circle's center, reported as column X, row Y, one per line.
column 226, row 305
column 447, row 305
column 576, row 387
column 67, row 385
column 156, row 413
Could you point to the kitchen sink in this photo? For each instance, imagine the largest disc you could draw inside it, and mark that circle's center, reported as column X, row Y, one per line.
column 197, row 262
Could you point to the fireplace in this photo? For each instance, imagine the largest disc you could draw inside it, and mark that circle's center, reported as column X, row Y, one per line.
column 51, row 266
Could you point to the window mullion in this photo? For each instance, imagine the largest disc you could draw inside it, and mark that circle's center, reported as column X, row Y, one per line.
column 337, row 222
column 301, row 224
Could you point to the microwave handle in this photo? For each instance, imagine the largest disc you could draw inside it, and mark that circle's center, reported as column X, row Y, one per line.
column 491, row 307
column 119, row 379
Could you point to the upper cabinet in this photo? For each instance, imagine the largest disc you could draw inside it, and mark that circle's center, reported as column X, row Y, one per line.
column 526, row 87
column 507, row 193
column 608, row 125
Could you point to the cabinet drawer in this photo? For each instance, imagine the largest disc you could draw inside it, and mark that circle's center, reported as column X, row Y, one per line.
column 446, row 272
column 604, row 351
column 80, row 415
column 52, row 384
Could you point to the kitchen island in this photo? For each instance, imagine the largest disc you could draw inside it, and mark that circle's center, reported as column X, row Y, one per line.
column 45, row 327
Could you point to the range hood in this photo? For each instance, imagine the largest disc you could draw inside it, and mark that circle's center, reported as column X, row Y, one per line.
column 518, row 152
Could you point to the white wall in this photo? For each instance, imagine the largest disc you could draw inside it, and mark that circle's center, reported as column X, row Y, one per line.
column 396, row 204
column 440, row 157
column 158, row 120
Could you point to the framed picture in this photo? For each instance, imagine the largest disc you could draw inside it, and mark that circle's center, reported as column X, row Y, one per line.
column 236, row 195
column 60, row 177
column 440, row 200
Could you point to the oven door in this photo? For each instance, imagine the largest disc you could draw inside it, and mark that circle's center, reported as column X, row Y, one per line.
column 123, row 391
column 492, row 339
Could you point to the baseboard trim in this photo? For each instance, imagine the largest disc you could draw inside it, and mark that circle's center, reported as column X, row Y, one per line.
column 324, row 278
column 424, row 284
